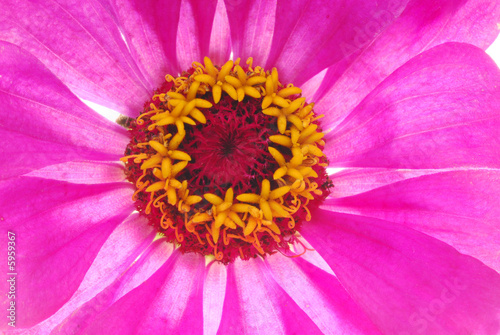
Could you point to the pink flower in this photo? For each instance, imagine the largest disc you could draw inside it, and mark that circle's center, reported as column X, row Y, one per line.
column 407, row 243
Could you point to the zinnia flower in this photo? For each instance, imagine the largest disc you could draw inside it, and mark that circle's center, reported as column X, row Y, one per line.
column 406, row 242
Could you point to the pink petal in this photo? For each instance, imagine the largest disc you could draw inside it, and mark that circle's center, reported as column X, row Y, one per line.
column 150, row 29
column 352, row 181
column 82, row 172
column 252, row 25
column 439, row 110
column 320, row 296
column 311, row 87
column 123, row 247
column 213, row 296
column 82, row 45
column 43, row 123
column 312, row 35
column 457, row 207
column 313, row 258
column 193, row 36
column 170, row 302
column 407, row 282
column 59, row 229
column 256, row 304
column 154, row 257
column 423, row 25
column 220, row 39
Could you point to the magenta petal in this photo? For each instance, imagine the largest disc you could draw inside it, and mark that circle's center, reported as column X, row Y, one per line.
column 123, row 247
column 439, row 110
column 352, row 181
column 252, row 26
column 150, row 28
column 220, row 39
column 139, row 270
column 406, row 281
column 43, row 123
column 214, row 290
column 204, row 18
column 256, row 304
column 82, row 172
column 193, row 37
column 82, row 45
column 320, row 296
column 457, row 207
column 170, row 302
column 151, row 41
column 60, row 228
column 312, row 35
column 422, row 25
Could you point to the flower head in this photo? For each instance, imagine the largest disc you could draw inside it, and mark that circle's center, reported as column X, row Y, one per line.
column 268, row 151
column 239, row 229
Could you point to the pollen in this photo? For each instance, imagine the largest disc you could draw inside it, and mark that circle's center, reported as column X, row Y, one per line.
column 227, row 161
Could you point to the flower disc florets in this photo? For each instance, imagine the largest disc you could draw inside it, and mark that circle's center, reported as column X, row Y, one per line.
column 227, row 161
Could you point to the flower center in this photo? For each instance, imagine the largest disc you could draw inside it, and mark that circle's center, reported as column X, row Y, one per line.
column 227, row 161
